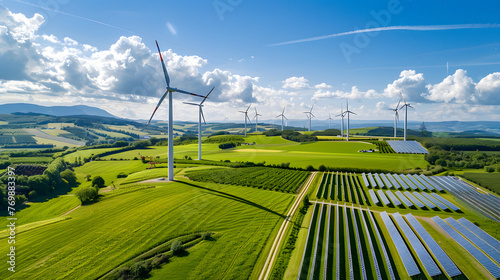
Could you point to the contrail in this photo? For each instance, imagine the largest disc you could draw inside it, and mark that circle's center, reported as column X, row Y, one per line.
column 390, row 28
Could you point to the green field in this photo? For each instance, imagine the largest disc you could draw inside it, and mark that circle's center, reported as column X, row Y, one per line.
column 490, row 181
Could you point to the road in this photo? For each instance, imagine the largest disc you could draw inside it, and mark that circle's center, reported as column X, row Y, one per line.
column 266, row 270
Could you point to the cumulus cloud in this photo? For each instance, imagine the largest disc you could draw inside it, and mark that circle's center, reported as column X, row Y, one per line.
column 458, row 88
column 324, row 92
column 411, row 84
column 488, row 89
column 296, row 83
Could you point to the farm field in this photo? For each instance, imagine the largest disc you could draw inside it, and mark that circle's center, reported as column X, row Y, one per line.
column 486, row 180
column 242, row 220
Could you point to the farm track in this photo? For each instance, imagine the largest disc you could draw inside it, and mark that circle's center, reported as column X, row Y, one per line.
column 273, row 253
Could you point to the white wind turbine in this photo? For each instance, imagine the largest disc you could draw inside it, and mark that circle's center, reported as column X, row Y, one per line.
column 406, row 105
column 341, row 115
column 170, row 115
column 200, row 115
column 348, row 113
column 329, row 121
column 256, row 117
column 309, row 116
column 246, row 118
column 282, row 115
column 396, row 118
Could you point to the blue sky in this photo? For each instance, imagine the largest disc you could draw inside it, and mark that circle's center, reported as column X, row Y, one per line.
column 102, row 53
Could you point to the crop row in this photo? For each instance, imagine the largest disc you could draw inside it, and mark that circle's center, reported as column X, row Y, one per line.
column 342, row 187
column 275, row 179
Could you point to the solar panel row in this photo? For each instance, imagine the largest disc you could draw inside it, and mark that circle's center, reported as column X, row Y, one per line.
column 372, row 249
column 373, row 184
column 348, row 242
column 382, row 196
column 365, row 180
column 414, row 200
column 416, row 182
column 424, row 200
column 404, row 254
column 403, row 199
column 442, row 258
column 479, row 232
column 426, row 259
column 408, row 182
column 486, row 262
column 400, row 181
column 395, row 200
column 373, row 196
column 446, row 202
column 381, row 242
column 424, row 182
column 386, row 180
column 379, row 181
column 435, row 201
column 407, row 147
column 432, row 182
column 393, row 181
column 358, row 240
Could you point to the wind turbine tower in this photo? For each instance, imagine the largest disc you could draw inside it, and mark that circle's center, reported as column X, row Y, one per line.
column 348, row 113
column 282, row 117
column 200, row 115
column 246, row 118
column 168, row 91
column 256, row 117
column 329, row 121
column 396, row 118
column 341, row 115
column 309, row 116
column 406, row 105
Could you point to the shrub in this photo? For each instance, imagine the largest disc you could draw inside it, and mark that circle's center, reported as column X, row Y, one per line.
column 205, row 235
column 176, row 247
column 489, row 169
column 306, row 201
column 86, row 194
column 122, row 175
column 310, row 168
column 322, row 168
column 99, row 181
column 32, row 194
column 140, row 269
column 227, row 145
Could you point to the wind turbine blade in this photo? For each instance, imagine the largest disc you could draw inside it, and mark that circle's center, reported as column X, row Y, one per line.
column 278, row 116
column 285, row 117
column 189, row 103
column 398, row 103
column 411, row 106
column 311, row 109
column 201, row 111
column 206, row 96
column 248, row 107
column 312, row 115
column 186, row 92
column 167, row 78
column 283, row 111
column 152, row 115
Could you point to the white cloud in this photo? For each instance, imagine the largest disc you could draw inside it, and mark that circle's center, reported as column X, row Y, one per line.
column 411, row 84
column 489, row 89
column 171, row 28
column 295, row 83
column 355, row 93
column 458, row 88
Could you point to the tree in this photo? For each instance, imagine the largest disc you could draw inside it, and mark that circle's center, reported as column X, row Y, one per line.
column 40, row 184
column 99, row 181
column 423, row 130
column 176, row 247
column 70, row 177
column 86, row 194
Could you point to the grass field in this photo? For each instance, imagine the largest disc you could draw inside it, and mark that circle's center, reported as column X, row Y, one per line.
column 56, row 143
column 490, row 181
column 87, row 153
column 99, row 237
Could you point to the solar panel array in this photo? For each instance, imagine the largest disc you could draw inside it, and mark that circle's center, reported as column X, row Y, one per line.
column 400, row 181
column 486, row 262
column 416, row 182
column 426, row 259
column 487, row 204
column 414, row 200
column 348, row 242
column 435, row 201
column 424, row 200
column 446, row 202
column 373, row 196
column 408, row 182
column 424, row 182
column 358, row 240
column 442, row 258
column 481, row 244
column 365, row 180
column 479, row 232
column 374, row 255
column 403, row 199
column 379, row 181
column 386, row 180
column 382, row 196
column 393, row 181
column 373, row 184
column 394, row 199
column 432, row 183
column 381, row 242
column 407, row 147
column 404, row 254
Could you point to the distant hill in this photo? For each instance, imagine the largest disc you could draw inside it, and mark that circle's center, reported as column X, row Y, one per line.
column 54, row 110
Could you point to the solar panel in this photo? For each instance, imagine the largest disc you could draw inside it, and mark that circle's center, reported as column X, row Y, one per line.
column 379, row 181
column 414, row 200
column 360, row 249
column 424, row 182
column 319, row 239
column 393, row 181
column 337, row 241
column 442, row 258
column 381, row 242
column 408, row 182
column 374, row 197
column 446, row 202
column 400, row 181
column 435, row 201
column 395, row 200
column 416, row 182
column 372, row 250
column 372, row 181
column 433, row 183
column 486, row 262
column 386, row 180
column 415, row 243
column 404, row 200
column 365, row 180
column 382, row 196
column 348, row 242
column 481, row 244
column 479, row 232
column 404, row 254
column 407, row 147
column 424, row 200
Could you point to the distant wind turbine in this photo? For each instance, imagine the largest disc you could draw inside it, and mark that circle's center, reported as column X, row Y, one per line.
column 246, row 118
column 309, row 116
column 406, row 105
column 341, row 115
column 348, row 113
column 200, row 115
column 256, row 117
column 329, row 121
column 396, row 118
column 170, row 116
column 282, row 115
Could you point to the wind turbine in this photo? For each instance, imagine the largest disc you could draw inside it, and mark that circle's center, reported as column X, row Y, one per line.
column 406, row 105
column 282, row 117
column 309, row 116
column 256, row 117
column 246, row 118
column 200, row 115
column 348, row 113
column 170, row 115
column 341, row 115
column 329, row 121
column 396, row 117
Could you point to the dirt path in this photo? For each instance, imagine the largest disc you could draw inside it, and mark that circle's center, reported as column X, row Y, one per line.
column 273, row 253
column 70, row 211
